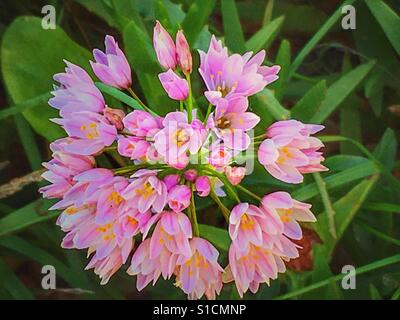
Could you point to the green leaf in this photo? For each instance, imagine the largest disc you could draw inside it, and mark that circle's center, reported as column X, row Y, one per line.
column 41, row 256
column 218, row 237
column 364, row 269
column 197, row 16
column 16, row 109
column 283, row 59
column 234, row 38
column 30, row 56
column 26, row 216
column 374, row 293
column 272, row 105
column 388, row 19
column 12, row 284
column 311, row 102
column 119, row 95
column 386, row 149
column 264, row 37
column 381, row 206
column 336, row 180
column 346, row 208
column 340, row 90
column 317, row 38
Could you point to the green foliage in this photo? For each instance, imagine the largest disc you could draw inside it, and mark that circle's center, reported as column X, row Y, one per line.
column 346, row 80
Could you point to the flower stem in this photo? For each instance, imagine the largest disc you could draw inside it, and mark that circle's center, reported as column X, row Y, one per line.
column 193, row 215
column 134, row 95
column 247, row 191
column 209, row 109
column 227, row 184
column 225, row 211
column 181, row 106
column 190, row 99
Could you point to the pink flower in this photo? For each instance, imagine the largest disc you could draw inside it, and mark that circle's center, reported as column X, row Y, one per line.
column 114, row 117
column 164, row 47
column 219, row 156
column 91, row 131
column 110, row 201
column 203, row 186
column 149, row 269
column 179, row 197
column 61, row 171
column 183, row 53
column 230, row 121
column 235, row 174
column 289, row 211
column 142, row 124
column 179, row 137
column 106, row 266
column 109, row 253
column 260, row 263
column 85, row 188
column 173, row 232
column 76, row 92
column 171, row 181
column 133, row 147
column 246, row 225
column 131, row 222
column 228, row 76
column 176, row 87
column 200, row 273
column 112, row 67
column 146, row 191
column 289, row 150
column 190, row 175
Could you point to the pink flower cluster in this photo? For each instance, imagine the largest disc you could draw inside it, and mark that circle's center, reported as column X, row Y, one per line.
column 145, row 211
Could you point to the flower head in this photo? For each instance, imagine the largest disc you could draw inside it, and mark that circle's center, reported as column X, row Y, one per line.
column 91, row 132
column 112, row 67
column 76, row 92
column 229, row 76
column 290, row 150
column 146, row 191
column 200, row 274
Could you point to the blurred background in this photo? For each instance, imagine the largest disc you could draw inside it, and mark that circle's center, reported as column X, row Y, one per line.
column 347, row 79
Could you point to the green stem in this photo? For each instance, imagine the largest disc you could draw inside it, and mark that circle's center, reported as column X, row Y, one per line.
column 227, row 184
column 209, row 109
column 132, row 168
column 247, row 191
column 225, row 211
column 190, row 99
column 181, row 106
column 134, row 95
column 193, row 215
column 330, row 211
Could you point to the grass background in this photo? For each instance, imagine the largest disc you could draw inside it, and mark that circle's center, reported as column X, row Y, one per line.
column 346, row 79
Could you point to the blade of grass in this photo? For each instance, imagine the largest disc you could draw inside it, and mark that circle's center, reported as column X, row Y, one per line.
column 16, row 109
column 317, row 37
column 24, row 217
column 388, row 19
column 364, row 269
column 379, row 234
column 263, row 37
column 330, row 211
column 234, row 37
column 197, row 16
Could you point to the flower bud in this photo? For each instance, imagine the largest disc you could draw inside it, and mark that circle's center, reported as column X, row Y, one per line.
column 114, row 116
column 176, row 87
column 164, row 47
column 183, row 53
column 235, row 174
